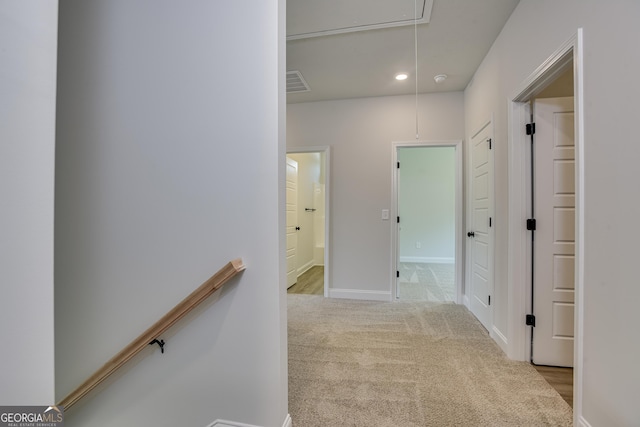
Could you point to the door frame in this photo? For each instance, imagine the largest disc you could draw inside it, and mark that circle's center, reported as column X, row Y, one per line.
column 457, row 144
column 293, row 164
column 519, row 269
column 327, row 200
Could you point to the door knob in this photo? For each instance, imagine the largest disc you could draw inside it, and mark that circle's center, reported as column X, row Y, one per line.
column 471, row 234
column 298, row 228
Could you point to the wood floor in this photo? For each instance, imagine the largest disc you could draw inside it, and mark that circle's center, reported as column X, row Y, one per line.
column 559, row 378
column 310, row 282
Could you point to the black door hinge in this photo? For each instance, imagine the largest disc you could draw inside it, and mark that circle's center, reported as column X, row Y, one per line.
column 531, row 128
column 489, row 221
column 530, row 320
column 398, row 165
column 489, row 299
column 398, row 219
column 397, row 273
column 531, row 224
column 489, row 141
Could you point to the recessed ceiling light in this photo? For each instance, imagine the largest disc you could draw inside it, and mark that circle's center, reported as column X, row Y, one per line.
column 402, row 76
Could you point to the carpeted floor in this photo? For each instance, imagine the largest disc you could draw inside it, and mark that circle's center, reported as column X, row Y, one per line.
column 426, row 282
column 409, row 364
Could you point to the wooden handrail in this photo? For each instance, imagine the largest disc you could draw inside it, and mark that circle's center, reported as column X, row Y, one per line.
column 136, row 346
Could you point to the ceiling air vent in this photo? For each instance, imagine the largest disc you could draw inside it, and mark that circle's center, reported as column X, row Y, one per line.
column 296, row 83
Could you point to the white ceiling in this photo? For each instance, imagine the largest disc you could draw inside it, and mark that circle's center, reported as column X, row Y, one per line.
column 363, row 61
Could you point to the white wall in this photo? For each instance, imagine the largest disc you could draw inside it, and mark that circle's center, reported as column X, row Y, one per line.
column 309, row 168
column 28, row 43
column 165, row 171
column 611, row 92
column 360, row 133
column 427, row 204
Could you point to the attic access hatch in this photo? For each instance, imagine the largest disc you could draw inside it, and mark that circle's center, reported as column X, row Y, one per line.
column 312, row 18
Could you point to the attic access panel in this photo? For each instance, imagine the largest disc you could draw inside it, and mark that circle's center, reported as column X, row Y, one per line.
column 313, row 18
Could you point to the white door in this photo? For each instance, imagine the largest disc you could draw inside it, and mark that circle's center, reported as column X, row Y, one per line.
column 292, row 220
column 554, row 242
column 480, row 234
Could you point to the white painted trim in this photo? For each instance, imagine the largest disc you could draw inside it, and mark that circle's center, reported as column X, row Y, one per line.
column 428, row 260
column 518, row 284
column 327, row 205
column 225, row 423
column 355, row 29
column 304, row 268
column 499, row 338
column 425, row 19
column 457, row 144
column 518, row 268
column 360, row 294
column 578, row 357
column 466, row 302
column 581, row 422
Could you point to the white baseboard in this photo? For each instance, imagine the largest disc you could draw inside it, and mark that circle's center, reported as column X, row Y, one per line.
column 428, row 260
column 500, row 339
column 360, row 294
column 582, row 422
column 305, row 267
column 466, row 302
column 225, row 423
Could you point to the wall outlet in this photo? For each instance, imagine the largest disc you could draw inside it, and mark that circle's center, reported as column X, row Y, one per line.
column 418, row 245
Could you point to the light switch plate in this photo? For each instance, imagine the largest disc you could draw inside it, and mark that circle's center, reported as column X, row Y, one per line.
column 385, row 214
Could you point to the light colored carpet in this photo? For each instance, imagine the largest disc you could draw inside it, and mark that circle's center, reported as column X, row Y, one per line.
column 426, row 282
column 358, row 363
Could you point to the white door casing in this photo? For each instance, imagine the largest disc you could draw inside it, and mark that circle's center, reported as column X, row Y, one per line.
column 554, row 244
column 480, row 228
column 292, row 220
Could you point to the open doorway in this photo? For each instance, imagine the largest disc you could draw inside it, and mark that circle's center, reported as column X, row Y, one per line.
column 553, row 247
column 426, row 233
column 559, row 169
column 307, row 222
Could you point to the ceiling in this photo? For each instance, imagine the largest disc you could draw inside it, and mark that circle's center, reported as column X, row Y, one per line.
column 354, row 48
